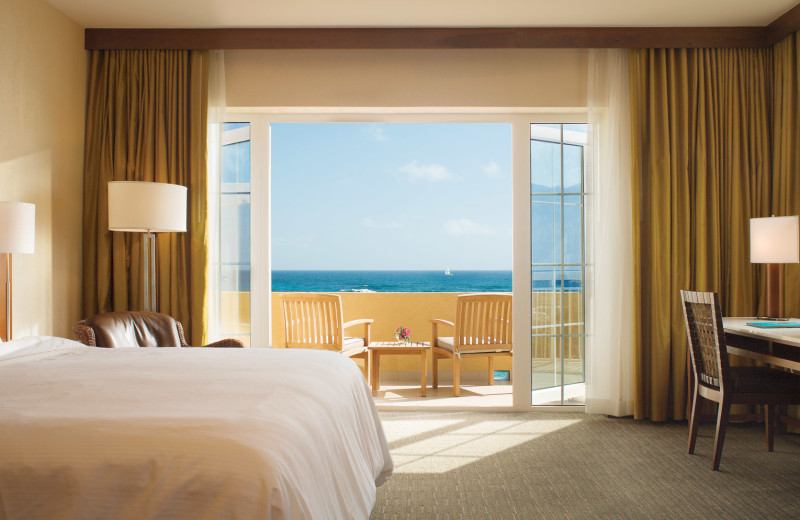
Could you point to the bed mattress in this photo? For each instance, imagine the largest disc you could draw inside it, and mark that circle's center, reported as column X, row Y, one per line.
column 195, row 433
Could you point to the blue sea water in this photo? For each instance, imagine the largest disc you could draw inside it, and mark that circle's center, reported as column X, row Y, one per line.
column 391, row 281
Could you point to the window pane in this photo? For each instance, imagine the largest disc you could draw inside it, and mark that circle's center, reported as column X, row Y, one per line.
column 545, row 229
column 573, row 300
column 236, row 167
column 235, row 226
column 235, row 300
column 576, row 133
column 573, row 229
column 546, row 368
column 573, row 168
column 545, row 300
column 545, row 167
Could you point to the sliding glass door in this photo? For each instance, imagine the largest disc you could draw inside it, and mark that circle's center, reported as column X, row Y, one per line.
column 558, row 264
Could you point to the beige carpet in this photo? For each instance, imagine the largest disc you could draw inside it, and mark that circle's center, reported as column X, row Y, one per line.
column 476, row 465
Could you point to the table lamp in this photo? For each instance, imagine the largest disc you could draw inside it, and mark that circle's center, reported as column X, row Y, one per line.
column 149, row 208
column 774, row 241
column 17, row 234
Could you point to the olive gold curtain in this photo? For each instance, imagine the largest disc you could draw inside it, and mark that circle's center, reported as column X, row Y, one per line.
column 700, row 170
column 146, row 121
column 786, row 151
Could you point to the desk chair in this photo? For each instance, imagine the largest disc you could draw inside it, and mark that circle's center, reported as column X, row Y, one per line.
column 716, row 381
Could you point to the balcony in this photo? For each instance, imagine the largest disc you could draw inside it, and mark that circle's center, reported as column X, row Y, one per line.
column 400, row 374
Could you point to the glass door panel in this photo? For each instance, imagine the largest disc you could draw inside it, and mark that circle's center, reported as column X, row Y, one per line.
column 557, row 264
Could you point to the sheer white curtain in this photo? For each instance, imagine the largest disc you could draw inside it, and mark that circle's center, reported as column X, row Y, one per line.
column 216, row 120
column 609, row 350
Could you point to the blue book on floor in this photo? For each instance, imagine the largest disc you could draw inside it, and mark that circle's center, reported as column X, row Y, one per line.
column 774, row 324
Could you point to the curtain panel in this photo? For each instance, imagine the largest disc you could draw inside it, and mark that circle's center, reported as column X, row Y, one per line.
column 786, row 151
column 146, row 121
column 701, row 169
column 609, row 343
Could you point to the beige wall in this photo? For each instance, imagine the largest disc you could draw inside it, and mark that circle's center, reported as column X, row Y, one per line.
column 407, row 78
column 42, row 105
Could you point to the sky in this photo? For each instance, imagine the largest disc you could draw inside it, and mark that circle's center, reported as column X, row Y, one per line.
column 391, row 196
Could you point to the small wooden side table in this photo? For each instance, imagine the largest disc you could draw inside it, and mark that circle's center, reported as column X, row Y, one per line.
column 379, row 348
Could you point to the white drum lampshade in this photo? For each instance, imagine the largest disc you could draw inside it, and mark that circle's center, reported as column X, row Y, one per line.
column 775, row 241
column 17, row 225
column 153, row 207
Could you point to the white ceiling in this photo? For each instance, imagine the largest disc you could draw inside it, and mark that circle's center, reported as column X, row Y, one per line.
column 420, row 13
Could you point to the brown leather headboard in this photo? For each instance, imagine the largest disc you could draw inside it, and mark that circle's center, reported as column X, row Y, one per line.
column 134, row 329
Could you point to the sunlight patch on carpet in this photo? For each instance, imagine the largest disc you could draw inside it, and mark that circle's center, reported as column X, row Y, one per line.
column 438, row 446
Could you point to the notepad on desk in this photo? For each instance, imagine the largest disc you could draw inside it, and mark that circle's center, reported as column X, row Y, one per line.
column 774, row 324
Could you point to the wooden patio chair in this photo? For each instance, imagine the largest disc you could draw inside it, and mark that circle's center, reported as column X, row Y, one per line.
column 315, row 320
column 482, row 328
column 716, row 380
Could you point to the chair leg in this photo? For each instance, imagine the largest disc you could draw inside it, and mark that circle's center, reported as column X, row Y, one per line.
column 694, row 421
column 491, row 370
column 770, row 414
column 435, row 363
column 723, row 413
column 456, row 376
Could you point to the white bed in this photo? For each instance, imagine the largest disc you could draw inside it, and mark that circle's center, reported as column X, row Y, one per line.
column 173, row 433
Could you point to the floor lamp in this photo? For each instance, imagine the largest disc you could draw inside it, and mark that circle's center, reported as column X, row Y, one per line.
column 17, row 233
column 149, row 208
column 774, row 241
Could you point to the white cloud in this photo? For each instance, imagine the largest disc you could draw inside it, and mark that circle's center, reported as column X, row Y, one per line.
column 464, row 226
column 493, row 170
column 378, row 133
column 426, row 172
column 372, row 224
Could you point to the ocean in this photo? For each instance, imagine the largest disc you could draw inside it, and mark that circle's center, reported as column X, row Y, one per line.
column 391, row 281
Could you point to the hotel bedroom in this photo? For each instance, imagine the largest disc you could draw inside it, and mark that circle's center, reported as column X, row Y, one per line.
column 695, row 111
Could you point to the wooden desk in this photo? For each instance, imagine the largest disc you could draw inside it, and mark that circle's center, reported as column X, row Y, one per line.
column 377, row 349
column 779, row 347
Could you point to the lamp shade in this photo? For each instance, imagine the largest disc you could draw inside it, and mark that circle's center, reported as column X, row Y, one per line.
column 775, row 240
column 17, row 227
column 146, row 206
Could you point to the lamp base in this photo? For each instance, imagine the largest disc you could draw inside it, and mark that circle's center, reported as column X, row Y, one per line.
column 774, row 291
column 149, row 255
column 5, row 304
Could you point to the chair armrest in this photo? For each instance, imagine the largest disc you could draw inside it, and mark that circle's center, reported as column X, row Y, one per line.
column 84, row 334
column 364, row 321
column 435, row 322
column 226, row 343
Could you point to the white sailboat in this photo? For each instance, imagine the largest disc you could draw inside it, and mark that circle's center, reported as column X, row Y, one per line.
column 447, row 271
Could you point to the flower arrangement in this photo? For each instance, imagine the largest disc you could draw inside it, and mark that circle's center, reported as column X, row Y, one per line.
column 403, row 334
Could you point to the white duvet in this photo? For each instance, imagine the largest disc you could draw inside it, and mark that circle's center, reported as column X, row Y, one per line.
column 185, row 433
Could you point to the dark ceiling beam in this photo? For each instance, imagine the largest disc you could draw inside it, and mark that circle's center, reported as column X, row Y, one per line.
column 433, row 38
column 783, row 26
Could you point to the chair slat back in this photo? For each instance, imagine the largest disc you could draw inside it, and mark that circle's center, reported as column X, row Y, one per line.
column 313, row 320
column 706, row 335
column 483, row 323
